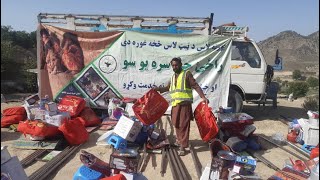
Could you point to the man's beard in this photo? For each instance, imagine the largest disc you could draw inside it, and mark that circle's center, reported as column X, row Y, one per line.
column 177, row 71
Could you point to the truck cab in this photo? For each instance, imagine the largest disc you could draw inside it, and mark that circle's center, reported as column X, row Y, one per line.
column 250, row 74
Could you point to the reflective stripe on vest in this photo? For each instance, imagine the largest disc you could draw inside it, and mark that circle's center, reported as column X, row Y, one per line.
column 179, row 92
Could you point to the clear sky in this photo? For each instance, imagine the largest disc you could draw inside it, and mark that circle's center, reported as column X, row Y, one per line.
column 264, row 18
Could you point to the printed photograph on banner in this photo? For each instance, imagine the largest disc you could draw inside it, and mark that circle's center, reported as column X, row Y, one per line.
column 65, row 53
column 69, row 90
column 61, row 52
column 103, row 100
column 91, row 83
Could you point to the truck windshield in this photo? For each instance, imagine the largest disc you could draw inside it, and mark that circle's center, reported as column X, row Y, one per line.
column 245, row 51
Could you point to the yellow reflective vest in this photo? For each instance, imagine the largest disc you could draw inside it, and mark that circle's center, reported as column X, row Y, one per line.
column 179, row 92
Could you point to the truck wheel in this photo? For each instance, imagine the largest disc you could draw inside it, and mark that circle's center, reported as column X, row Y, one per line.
column 235, row 101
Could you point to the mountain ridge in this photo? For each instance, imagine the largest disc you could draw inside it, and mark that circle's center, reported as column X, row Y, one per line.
column 297, row 51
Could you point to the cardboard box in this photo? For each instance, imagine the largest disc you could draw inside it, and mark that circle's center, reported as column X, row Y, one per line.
column 31, row 110
column 126, row 164
column 39, row 114
column 127, row 128
column 57, row 119
column 129, row 109
column 51, row 113
column 155, row 134
column 31, row 99
column 244, row 165
column 51, row 106
column 133, row 176
column 310, row 132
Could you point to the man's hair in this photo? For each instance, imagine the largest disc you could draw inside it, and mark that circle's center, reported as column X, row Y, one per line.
column 72, row 37
column 54, row 38
column 176, row 59
column 44, row 32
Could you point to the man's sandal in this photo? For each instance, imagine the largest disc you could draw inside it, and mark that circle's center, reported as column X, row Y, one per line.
column 182, row 152
column 176, row 144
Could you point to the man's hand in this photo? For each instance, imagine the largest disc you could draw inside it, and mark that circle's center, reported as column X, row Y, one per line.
column 156, row 88
column 204, row 99
column 161, row 89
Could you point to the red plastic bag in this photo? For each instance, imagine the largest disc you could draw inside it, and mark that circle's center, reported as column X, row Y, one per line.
column 206, row 122
column 12, row 119
column 115, row 177
column 314, row 152
column 14, row 111
column 74, row 131
column 150, row 107
column 129, row 100
column 38, row 128
column 72, row 104
column 89, row 117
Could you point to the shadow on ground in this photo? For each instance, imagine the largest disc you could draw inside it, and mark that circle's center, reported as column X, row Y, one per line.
column 9, row 135
column 199, row 145
column 268, row 112
column 16, row 97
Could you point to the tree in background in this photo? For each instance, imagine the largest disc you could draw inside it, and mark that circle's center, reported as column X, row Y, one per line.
column 18, row 54
column 20, row 38
column 311, row 103
column 30, row 78
column 296, row 74
column 7, row 54
column 285, row 83
column 11, row 43
column 313, row 82
column 299, row 89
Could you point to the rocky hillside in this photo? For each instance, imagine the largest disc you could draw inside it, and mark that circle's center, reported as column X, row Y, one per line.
column 297, row 51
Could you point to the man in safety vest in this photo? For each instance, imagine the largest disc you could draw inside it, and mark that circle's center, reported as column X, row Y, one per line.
column 180, row 88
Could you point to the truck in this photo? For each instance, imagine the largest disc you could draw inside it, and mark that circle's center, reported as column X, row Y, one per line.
column 250, row 75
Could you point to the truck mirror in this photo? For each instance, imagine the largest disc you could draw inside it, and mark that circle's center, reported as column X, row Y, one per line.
column 278, row 64
column 278, row 60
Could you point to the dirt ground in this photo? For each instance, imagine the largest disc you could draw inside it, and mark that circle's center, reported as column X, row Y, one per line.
column 267, row 122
